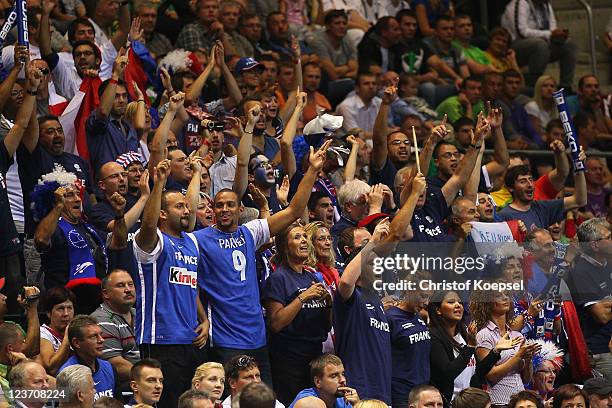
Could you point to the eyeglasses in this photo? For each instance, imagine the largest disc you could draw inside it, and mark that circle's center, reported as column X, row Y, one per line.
column 264, row 165
column 83, row 54
column 448, row 155
column 116, row 175
column 399, row 142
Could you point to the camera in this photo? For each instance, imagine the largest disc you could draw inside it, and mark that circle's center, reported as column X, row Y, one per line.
column 211, row 125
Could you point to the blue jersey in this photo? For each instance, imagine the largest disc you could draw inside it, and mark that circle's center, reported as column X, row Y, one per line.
column 228, row 276
column 104, row 377
column 167, row 290
column 363, row 342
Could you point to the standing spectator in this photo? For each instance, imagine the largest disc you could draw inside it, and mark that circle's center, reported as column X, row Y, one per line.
column 162, row 246
column 525, row 398
column 78, row 384
column 201, row 35
column 86, row 340
column 379, row 46
column 240, row 371
column 54, row 343
column 327, row 372
column 359, row 110
column 546, row 365
column 147, row 382
column 356, row 200
column 537, row 40
column 542, row 109
column 596, row 187
column 280, row 41
column 321, row 254
column 116, row 318
column 297, row 305
column 472, row 398
column 590, row 283
column 314, row 99
column 467, row 104
column 157, row 43
column 502, row 57
column 108, row 134
column 321, row 208
column 338, row 55
column 210, row 377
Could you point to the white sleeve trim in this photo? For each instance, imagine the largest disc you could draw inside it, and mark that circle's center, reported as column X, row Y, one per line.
column 260, row 230
column 145, row 257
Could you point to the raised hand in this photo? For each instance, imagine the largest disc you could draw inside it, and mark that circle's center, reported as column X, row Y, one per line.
column 136, row 32
column 376, row 197
column 120, row 63
column 162, row 171
column 165, row 79
column 535, row 306
column 557, row 146
column 34, row 77
column 253, row 115
column 439, row 132
column 143, row 183
column 176, row 101
column 258, row 197
column 317, row 159
column 301, row 100
column 137, row 91
column 117, row 202
column 196, row 162
column 59, row 194
column 22, row 56
column 295, row 48
column 419, row 183
column 282, row 192
column 471, row 334
column 48, row 6
column 381, row 231
column 495, row 116
column 483, row 128
column 219, row 51
column 389, row 95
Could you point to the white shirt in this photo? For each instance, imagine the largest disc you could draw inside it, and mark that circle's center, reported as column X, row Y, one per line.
column 462, row 381
column 109, row 53
column 529, row 21
column 227, row 403
column 357, row 115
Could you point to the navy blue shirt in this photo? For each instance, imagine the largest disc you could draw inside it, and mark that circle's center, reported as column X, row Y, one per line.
column 363, row 343
column 428, row 221
column 305, row 334
column 410, row 347
column 9, row 241
column 107, row 138
column 386, row 176
column 541, row 214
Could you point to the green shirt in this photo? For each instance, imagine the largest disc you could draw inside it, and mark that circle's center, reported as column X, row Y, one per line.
column 473, row 53
column 453, row 109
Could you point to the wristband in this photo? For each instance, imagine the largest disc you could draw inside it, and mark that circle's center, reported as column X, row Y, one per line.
column 474, row 146
column 300, row 299
column 141, row 100
column 33, row 93
column 113, row 81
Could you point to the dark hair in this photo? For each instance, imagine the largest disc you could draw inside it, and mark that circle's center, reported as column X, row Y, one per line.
column 511, row 74
column 106, row 279
column 267, row 57
column 471, row 398
column 361, row 75
column 186, row 399
column 333, row 14
column 238, row 363
column 581, row 120
column 383, row 24
column 75, row 328
column 405, row 13
column 247, row 16
column 46, row 118
column 272, row 14
column 140, row 364
column 55, row 296
column 463, row 121
column 415, row 393
column 73, row 25
column 584, row 78
column 314, row 199
column 105, row 84
column 282, row 243
column 178, row 78
column 514, row 173
column 93, row 46
column 568, row 391
column 347, row 238
column 525, row 396
column 554, row 123
column 461, row 16
column 472, row 78
column 499, row 31
column 439, row 145
column 257, row 395
column 311, row 64
column 436, row 321
column 446, row 18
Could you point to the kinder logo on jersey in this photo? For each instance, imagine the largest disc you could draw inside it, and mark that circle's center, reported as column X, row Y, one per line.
column 182, row 276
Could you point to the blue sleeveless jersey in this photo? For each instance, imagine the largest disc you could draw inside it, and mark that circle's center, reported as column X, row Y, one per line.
column 167, row 290
column 228, row 276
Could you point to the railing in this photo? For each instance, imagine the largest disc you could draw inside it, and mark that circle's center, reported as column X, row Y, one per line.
column 589, row 12
column 548, row 153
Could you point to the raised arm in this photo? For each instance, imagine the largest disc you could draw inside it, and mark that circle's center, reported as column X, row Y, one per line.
column 108, row 96
column 558, row 175
column 381, row 129
column 147, row 238
column 350, row 168
column 235, row 96
column 282, row 219
column 30, row 136
column 119, row 231
column 286, row 142
column 121, row 35
column 241, row 178
column 21, row 54
column 141, row 108
column 132, row 216
column 32, row 339
column 401, row 221
column 470, row 190
column 579, row 198
column 44, row 34
column 158, row 145
column 46, row 228
column 498, row 166
column 195, row 90
column 193, row 190
column 289, row 106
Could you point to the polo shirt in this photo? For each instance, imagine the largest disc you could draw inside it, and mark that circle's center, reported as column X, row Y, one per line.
column 118, row 334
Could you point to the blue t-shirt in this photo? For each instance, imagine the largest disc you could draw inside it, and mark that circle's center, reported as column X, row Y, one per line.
column 228, row 277
column 312, row 392
column 307, row 331
column 103, row 377
column 428, row 221
column 167, row 290
column 410, row 347
column 542, row 214
column 363, row 343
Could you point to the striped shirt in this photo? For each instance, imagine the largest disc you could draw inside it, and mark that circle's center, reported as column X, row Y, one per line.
column 118, row 334
column 501, row 391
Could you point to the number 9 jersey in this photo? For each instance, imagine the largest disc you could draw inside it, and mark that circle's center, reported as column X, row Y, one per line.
column 229, row 279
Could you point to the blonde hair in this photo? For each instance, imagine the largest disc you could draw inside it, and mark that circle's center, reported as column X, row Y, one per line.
column 130, row 112
column 371, row 403
column 311, row 230
column 537, row 96
column 203, row 370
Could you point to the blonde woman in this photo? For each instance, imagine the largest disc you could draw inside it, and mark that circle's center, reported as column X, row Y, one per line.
column 541, row 109
column 320, row 253
column 371, row 403
column 210, row 377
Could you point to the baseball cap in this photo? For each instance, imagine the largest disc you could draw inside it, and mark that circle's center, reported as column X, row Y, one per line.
column 599, row 386
column 247, row 64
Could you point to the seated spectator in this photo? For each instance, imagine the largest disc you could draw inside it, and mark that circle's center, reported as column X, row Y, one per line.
column 356, row 200
column 586, row 127
column 518, row 129
column 569, row 394
column 147, row 382
column 525, row 398
column 240, row 371
column 467, row 104
column 590, row 101
column 399, row 107
column 279, row 40
column 448, row 61
column 54, row 343
column 472, row 398
column 78, row 384
column 314, row 99
column 590, row 282
column 257, row 395
column 210, row 378
column 194, row 399
column 428, row 12
column 598, row 390
column 477, row 60
column 542, row 108
column 502, row 57
column 200, row 35
column 116, row 318
column 234, row 42
column 361, row 16
column 250, row 27
column 492, row 86
column 12, row 342
column 327, row 373
column 157, row 43
column 538, row 213
column 107, row 402
column 537, row 40
column 424, row 396
column 86, row 340
column 270, row 73
column 359, row 110
column 413, row 54
column 379, row 45
column 338, row 55
column 597, row 191
column 29, row 375
column 408, row 88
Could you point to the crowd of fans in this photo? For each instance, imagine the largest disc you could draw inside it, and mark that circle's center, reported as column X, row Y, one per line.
column 194, row 194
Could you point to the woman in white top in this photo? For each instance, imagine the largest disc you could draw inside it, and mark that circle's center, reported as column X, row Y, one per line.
column 54, row 344
column 210, row 377
column 541, row 109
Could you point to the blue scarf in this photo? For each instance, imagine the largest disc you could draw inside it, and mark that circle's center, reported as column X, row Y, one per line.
column 80, row 256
